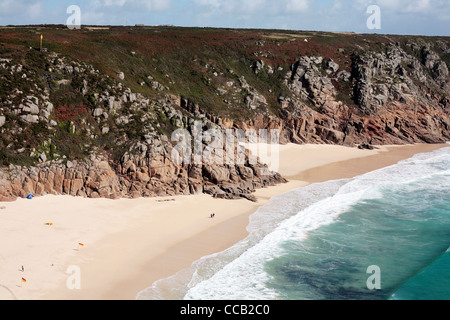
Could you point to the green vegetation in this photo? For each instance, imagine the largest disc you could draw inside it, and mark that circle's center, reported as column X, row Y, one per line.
column 192, row 63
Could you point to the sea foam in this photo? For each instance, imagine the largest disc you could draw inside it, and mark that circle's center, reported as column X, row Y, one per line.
column 240, row 272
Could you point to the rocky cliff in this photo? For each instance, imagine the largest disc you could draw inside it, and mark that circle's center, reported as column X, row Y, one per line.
column 95, row 117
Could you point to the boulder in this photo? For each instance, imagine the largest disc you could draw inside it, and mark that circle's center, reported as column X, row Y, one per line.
column 30, row 118
column 258, row 65
column 333, row 65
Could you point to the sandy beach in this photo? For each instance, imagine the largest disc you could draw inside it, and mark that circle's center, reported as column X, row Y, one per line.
column 113, row 249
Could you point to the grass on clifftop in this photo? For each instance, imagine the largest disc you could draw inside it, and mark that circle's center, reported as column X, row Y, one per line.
column 177, row 57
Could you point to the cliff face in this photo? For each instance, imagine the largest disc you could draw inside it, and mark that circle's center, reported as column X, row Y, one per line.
column 107, row 142
column 382, row 98
column 101, row 125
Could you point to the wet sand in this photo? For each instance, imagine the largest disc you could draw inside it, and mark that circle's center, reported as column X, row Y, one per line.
column 130, row 244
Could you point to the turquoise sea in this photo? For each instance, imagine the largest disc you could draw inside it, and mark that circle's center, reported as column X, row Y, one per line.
column 322, row 242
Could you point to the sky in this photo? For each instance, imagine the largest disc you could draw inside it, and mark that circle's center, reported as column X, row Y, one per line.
column 412, row 17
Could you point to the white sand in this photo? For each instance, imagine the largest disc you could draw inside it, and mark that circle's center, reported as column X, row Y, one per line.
column 129, row 244
column 297, row 158
column 140, row 228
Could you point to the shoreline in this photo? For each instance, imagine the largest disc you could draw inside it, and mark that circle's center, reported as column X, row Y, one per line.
column 130, row 244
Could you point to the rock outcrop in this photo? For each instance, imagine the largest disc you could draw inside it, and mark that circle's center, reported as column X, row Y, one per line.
column 148, row 175
column 69, row 128
column 390, row 97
